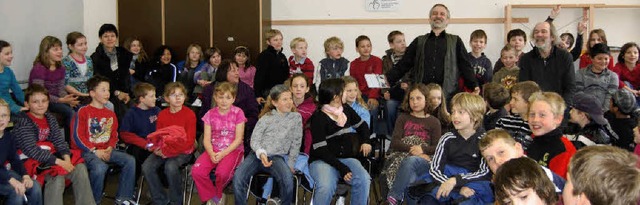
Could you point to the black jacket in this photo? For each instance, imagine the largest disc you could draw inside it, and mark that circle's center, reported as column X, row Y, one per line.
column 554, row 73
column 331, row 141
column 272, row 69
column 119, row 79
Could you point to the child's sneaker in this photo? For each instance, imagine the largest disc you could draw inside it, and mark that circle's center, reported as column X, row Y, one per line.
column 273, row 201
column 125, row 202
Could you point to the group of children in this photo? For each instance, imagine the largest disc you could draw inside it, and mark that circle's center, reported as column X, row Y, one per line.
column 317, row 122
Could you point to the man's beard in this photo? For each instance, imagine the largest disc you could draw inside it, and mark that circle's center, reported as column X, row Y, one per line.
column 435, row 24
column 544, row 46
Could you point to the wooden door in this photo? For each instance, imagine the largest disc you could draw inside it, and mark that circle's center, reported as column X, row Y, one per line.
column 141, row 19
column 239, row 23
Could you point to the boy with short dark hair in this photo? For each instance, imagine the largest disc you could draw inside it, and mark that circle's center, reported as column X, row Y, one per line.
column 139, row 122
column 519, row 104
column 622, row 105
column 597, row 79
column 359, row 67
column 394, row 96
column 479, row 62
column 496, row 96
column 272, row 67
column 602, row 175
column 95, row 133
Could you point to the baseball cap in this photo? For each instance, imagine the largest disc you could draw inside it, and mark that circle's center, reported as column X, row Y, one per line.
column 589, row 104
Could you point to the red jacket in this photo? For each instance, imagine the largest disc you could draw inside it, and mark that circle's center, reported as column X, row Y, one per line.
column 184, row 118
column 371, row 66
column 171, row 140
column 624, row 74
column 560, row 163
column 31, row 164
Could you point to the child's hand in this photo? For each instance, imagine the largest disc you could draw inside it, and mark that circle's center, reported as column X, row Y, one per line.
column 446, row 187
column 131, row 71
column 467, row 192
column 27, row 181
column 17, row 186
column 219, row 156
column 415, row 150
column 555, row 11
column 212, row 157
column 265, row 160
column 365, row 149
column 404, row 86
column 347, row 177
column 159, row 153
column 66, row 165
column 260, row 100
column 372, row 102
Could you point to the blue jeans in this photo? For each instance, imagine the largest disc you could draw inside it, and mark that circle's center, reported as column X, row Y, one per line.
column 251, row 165
column 98, row 170
column 34, row 194
column 483, row 193
column 408, row 172
column 172, row 172
column 327, row 177
column 302, row 165
column 391, row 106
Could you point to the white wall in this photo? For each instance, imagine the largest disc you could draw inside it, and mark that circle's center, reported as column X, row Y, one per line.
column 620, row 24
column 25, row 22
column 97, row 13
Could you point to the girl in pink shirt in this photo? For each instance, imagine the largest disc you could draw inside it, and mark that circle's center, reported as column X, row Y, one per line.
column 223, row 133
column 246, row 70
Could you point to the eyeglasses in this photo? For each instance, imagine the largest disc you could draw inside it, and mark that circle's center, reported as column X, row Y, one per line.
column 177, row 95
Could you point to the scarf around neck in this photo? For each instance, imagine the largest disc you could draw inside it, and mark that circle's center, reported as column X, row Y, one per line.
column 342, row 118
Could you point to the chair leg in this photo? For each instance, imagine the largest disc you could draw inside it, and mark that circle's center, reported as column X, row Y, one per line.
column 184, row 184
column 191, row 192
column 140, row 189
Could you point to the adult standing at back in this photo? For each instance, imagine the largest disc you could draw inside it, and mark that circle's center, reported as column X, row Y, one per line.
column 437, row 57
column 113, row 62
column 550, row 67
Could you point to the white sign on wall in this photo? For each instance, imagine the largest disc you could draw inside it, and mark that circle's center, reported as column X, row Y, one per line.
column 381, row 5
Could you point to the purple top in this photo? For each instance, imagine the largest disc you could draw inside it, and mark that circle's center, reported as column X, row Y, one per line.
column 53, row 81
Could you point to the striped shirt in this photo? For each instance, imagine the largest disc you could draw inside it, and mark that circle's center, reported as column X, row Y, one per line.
column 518, row 128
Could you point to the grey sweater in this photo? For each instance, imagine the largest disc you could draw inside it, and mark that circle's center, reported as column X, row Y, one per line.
column 278, row 134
